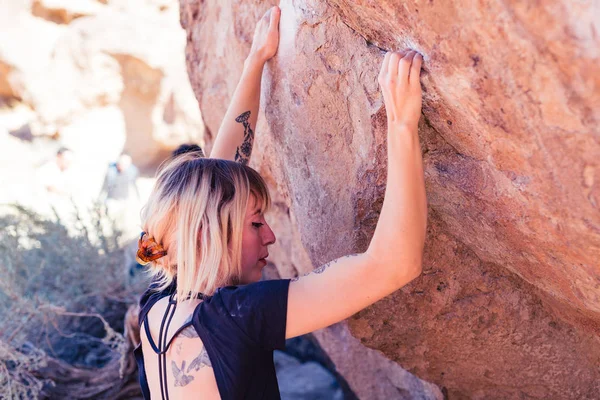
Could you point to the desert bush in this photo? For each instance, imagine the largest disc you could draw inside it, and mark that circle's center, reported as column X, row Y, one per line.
column 63, row 297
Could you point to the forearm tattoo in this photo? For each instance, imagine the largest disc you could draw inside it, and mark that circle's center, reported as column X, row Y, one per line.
column 243, row 152
column 202, row 360
column 322, row 268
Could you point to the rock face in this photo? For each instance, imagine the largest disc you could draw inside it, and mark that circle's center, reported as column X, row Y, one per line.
column 508, row 305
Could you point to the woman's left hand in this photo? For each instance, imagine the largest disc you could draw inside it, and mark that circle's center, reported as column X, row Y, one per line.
column 266, row 36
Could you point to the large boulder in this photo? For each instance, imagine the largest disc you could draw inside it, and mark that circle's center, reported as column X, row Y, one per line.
column 508, row 305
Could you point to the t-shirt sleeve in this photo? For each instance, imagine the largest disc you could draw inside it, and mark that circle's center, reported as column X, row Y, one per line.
column 259, row 310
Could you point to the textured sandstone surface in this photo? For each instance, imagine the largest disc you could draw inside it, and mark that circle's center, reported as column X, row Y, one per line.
column 509, row 302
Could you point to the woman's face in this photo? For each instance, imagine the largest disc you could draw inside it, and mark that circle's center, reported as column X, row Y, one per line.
column 256, row 236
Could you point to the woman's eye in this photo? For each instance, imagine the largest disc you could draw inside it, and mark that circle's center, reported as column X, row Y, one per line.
column 257, row 224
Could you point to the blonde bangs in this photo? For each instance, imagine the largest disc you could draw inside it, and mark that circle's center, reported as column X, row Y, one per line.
column 259, row 190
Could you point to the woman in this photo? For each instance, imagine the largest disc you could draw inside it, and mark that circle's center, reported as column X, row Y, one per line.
column 208, row 326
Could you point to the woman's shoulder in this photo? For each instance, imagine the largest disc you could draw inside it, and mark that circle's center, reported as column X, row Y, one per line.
column 256, row 310
column 228, row 299
column 245, row 301
column 153, row 294
column 256, row 291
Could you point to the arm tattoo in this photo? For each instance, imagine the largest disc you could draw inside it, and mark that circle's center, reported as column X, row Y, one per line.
column 322, row 268
column 189, row 332
column 181, row 379
column 200, row 361
column 242, row 154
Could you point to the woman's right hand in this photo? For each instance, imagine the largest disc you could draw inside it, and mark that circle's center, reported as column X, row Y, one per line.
column 401, row 88
column 266, row 36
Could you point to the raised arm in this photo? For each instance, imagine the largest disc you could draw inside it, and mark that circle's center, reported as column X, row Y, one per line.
column 235, row 138
column 345, row 286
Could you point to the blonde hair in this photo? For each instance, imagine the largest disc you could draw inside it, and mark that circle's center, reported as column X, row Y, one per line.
column 196, row 213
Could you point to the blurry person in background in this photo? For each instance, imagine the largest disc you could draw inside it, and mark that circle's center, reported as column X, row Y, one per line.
column 55, row 191
column 121, row 196
column 187, row 148
column 54, row 175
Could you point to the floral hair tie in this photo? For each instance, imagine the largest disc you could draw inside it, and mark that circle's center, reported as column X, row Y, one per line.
column 148, row 249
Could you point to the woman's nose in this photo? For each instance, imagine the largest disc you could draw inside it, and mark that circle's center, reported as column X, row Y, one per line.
column 269, row 237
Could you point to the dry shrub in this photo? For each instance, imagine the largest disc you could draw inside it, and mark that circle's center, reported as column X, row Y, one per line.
column 63, row 298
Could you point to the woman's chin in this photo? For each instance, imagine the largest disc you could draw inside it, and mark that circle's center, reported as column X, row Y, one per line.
column 259, row 268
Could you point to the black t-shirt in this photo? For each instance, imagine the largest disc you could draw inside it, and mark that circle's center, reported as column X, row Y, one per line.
column 240, row 326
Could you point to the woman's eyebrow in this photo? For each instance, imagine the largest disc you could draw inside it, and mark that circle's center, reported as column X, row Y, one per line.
column 257, row 211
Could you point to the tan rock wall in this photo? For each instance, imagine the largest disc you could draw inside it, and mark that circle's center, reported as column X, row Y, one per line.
column 508, row 305
column 511, row 89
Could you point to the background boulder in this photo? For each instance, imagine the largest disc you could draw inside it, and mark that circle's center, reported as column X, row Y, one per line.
column 99, row 77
